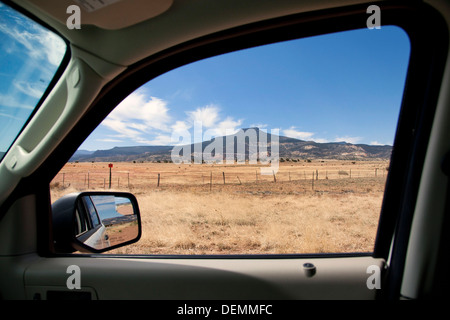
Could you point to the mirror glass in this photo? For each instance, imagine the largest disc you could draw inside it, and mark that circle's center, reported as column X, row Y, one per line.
column 104, row 221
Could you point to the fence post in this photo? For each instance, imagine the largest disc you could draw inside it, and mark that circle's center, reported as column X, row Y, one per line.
column 110, row 175
column 158, row 179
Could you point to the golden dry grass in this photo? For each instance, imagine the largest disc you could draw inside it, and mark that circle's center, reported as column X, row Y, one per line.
column 252, row 214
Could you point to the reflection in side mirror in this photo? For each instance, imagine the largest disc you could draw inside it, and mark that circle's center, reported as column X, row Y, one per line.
column 105, row 221
column 99, row 221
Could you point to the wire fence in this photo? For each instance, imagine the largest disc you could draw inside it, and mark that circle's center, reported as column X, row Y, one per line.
column 106, row 179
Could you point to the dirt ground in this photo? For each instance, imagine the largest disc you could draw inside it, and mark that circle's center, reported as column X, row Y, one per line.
column 304, row 207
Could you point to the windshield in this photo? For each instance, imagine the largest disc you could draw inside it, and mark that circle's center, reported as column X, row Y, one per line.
column 30, row 56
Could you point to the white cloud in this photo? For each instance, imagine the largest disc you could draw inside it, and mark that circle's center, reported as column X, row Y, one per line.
column 208, row 120
column 160, row 140
column 146, row 120
column 376, row 143
column 137, row 116
column 293, row 133
column 320, row 140
column 11, row 102
column 141, row 119
column 142, row 113
column 348, row 139
column 56, row 48
column 39, row 43
column 207, row 116
column 258, row 125
column 226, row 127
column 311, row 136
column 121, row 127
column 34, row 90
column 180, row 126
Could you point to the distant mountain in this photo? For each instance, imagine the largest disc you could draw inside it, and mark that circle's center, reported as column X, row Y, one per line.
column 289, row 148
column 84, row 152
column 117, row 154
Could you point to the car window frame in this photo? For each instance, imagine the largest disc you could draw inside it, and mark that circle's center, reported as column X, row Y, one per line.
column 396, row 213
column 92, row 212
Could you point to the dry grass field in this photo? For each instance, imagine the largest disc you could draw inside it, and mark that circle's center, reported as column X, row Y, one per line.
column 306, row 207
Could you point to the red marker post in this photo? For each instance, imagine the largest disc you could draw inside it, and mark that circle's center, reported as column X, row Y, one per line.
column 110, row 168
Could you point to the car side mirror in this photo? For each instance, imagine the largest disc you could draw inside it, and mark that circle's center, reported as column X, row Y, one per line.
column 95, row 222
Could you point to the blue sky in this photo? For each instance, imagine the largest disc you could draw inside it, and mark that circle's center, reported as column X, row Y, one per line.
column 29, row 57
column 346, row 86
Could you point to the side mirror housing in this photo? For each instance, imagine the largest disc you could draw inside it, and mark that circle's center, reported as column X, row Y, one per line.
column 95, row 222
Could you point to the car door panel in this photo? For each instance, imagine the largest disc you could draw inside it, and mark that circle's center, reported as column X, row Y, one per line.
column 254, row 278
